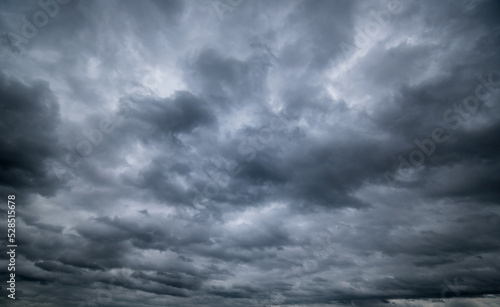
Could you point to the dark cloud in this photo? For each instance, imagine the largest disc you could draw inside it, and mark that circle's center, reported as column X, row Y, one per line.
column 29, row 118
column 181, row 114
column 235, row 153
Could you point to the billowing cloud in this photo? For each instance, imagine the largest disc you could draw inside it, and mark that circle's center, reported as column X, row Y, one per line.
column 252, row 153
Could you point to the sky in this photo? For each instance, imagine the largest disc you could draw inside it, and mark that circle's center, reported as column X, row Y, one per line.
column 251, row 153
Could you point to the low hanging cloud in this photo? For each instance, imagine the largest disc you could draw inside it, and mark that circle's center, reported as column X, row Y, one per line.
column 251, row 153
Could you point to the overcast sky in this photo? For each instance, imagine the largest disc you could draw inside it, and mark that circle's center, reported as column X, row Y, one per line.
column 252, row 153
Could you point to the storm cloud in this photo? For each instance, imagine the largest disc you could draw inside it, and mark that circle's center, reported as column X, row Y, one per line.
column 252, row 153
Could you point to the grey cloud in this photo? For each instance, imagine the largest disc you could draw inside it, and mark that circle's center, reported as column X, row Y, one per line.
column 30, row 115
column 168, row 117
column 246, row 165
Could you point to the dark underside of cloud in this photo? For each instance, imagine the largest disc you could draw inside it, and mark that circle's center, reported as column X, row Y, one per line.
column 252, row 153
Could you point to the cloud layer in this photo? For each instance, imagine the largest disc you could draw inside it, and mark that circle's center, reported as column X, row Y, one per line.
column 252, row 153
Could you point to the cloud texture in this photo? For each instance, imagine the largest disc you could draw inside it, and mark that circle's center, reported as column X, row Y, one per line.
column 252, row 153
